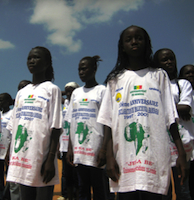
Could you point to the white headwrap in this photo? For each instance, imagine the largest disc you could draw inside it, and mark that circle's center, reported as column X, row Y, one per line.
column 72, row 84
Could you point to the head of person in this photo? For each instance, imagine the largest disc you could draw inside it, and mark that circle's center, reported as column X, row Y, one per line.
column 134, row 42
column 88, row 67
column 23, row 83
column 39, row 62
column 69, row 88
column 5, row 102
column 166, row 59
column 187, row 72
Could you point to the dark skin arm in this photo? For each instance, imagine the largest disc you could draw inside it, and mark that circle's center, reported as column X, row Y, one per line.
column 58, row 152
column 101, row 158
column 69, row 156
column 184, row 112
column 7, row 156
column 181, row 162
column 112, row 167
column 48, row 167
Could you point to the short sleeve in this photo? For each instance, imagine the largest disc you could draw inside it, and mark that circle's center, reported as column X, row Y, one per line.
column 55, row 114
column 186, row 93
column 106, row 108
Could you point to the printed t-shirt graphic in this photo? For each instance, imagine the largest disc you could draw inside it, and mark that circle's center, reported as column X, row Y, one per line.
column 64, row 137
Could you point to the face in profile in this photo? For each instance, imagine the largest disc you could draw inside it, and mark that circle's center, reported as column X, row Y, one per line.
column 86, row 70
column 36, row 61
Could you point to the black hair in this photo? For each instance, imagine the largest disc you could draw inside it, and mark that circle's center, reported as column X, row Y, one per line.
column 156, row 61
column 123, row 60
column 94, row 61
column 182, row 70
column 8, row 98
column 49, row 74
column 23, row 83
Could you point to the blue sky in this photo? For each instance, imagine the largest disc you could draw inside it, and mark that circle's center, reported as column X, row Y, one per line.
column 75, row 29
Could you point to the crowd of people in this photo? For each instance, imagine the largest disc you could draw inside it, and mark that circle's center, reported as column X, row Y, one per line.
column 121, row 140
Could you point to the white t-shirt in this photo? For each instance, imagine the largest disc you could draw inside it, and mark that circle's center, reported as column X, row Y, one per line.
column 36, row 111
column 192, row 118
column 5, row 135
column 0, row 123
column 138, row 106
column 186, row 128
column 64, row 137
column 85, row 133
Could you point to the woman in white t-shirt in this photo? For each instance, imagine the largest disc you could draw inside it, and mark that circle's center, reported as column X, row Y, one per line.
column 86, row 135
column 136, row 110
column 187, row 72
column 36, row 126
column 182, row 94
column 5, row 102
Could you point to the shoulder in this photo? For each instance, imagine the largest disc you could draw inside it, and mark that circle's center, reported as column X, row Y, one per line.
column 184, row 84
column 100, row 87
column 77, row 90
column 50, row 87
column 158, row 71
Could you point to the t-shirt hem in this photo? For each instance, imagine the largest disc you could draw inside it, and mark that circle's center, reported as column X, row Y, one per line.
column 157, row 190
column 104, row 122
column 22, row 182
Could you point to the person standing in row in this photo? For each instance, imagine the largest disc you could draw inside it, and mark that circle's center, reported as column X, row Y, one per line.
column 85, row 148
column 36, row 127
column 5, row 137
column 187, row 72
column 137, row 109
column 13, row 187
column 182, row 93
column 69, row 176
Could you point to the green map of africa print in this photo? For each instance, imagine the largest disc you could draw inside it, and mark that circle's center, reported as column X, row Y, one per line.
column 66, row 126
column 135, row 133
column 82, row 130
column 21, row 138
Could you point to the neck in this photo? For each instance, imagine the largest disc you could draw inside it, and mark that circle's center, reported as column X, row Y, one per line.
column 38, row 78
column 136, row 63
column 172, row 76
column 91, row 83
